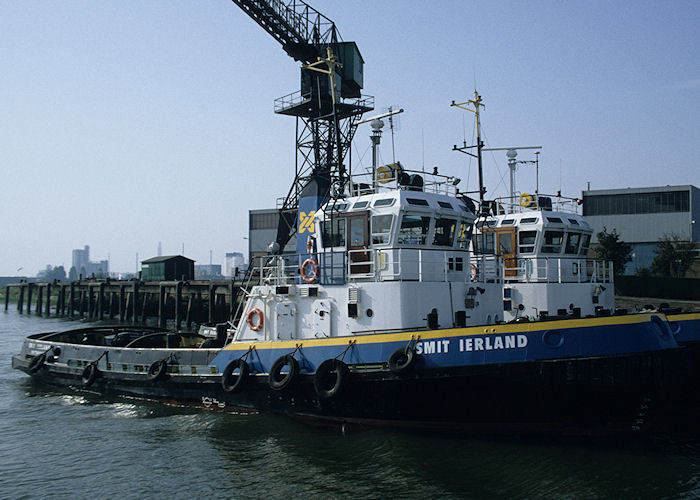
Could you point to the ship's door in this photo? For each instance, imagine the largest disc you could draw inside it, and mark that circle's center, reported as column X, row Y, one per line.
column 506, row 249
column 358, row 240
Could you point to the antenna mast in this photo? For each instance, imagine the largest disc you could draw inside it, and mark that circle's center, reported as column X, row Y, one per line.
column 475, row 103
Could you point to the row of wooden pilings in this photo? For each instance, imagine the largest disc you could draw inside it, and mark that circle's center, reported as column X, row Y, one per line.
column 131, row 301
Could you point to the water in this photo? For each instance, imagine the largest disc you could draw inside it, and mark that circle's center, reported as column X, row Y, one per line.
column 61, row 444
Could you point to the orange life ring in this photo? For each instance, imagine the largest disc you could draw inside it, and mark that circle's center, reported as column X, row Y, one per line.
column 309, row 277
column 474, row 274
column 260, row 321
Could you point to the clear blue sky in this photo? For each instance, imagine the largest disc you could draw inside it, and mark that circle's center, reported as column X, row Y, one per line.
column 123, row 124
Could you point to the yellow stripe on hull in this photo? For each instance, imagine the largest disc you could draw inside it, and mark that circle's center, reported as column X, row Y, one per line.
column 448, row 332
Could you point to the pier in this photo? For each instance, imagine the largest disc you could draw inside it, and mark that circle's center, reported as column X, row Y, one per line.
column 137, row 302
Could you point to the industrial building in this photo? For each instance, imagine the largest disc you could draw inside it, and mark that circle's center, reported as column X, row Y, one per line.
column 642, row 216
column 85, row 267
column 262, row 230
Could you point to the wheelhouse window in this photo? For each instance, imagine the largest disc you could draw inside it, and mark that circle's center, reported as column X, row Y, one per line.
column 552, row 241
column 381, row 229
column 585, row 242
column 464, row 235
column 333, row 233
column 444, row 232
column 572, row 241
column 485, row 243
column 414, row 229
column 526, row 241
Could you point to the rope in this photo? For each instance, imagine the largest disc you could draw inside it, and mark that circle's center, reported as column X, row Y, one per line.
column 250, row 349
column 408, row 346
column 342, row 354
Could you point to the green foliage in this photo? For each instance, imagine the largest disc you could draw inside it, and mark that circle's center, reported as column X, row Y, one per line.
column 72, row 274
column 53, row 273
column 673, row 256
column 611, row 248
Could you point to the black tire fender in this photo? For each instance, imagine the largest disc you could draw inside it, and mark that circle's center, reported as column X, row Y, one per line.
column 157, row 371
column 402, row 359
column 89, row 374
column 277, row 379
column 36, row 363
column 331, row 370
column 231, row 382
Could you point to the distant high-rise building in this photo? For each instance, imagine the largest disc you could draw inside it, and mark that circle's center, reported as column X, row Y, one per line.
column 83, row 265
column 234, row 260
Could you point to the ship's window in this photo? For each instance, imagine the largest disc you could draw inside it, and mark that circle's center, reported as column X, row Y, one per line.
column 507, row 222
column 417, row 201
column 485, row 243
column 444, row 204
column 386, row 202
column 552, row 241
column 572, row 241
column 414, row 229
column 444, row 232
column 528, row 220
column 556, row 220
column 526, row 240
column 465, row 232
column 487, row 223
column 357, row 232
column 360, row 204
column 333, row 233
column 381, row 229
column 340, row 207
column 574, row 222
column 585, row 241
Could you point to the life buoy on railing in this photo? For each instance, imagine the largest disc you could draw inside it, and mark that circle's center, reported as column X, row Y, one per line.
column 309, row 270
column 255, row 319
column 330, row 378
column 526, row 200
column 473, row 272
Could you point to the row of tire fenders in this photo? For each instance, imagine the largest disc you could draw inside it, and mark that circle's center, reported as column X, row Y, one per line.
column 331, row 376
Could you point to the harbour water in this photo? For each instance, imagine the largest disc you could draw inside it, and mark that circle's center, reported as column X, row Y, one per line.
column 63, row 444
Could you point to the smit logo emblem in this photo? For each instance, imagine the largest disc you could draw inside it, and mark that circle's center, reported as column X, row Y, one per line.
column 306, row 222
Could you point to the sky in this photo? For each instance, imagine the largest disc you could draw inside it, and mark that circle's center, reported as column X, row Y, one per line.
column 126, row 124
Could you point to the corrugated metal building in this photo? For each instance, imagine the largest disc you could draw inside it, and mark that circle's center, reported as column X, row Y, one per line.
column 262, row 230
column 644, row 215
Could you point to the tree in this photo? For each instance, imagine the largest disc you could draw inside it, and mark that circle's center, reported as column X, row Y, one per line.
column 673, row 256
column 611, row 248
column 72, row 274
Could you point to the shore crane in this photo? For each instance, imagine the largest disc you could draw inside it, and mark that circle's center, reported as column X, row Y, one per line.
column 327, row 107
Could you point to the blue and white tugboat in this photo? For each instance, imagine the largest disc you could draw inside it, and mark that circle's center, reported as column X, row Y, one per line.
column 386, row 316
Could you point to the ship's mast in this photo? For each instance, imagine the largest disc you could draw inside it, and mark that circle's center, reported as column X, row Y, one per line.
column 475, row 103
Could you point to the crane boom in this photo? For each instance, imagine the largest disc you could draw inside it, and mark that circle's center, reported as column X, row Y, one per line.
column 297, row 26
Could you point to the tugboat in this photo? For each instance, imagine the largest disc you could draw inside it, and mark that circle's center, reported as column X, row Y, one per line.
column 386, row 317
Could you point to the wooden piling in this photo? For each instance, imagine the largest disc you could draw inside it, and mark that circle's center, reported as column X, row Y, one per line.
column 20, row 300
column 48, row 300
column 161, row 306
column 122, row 305
column 30, row 289
column 39, row 299
column 178, row 305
